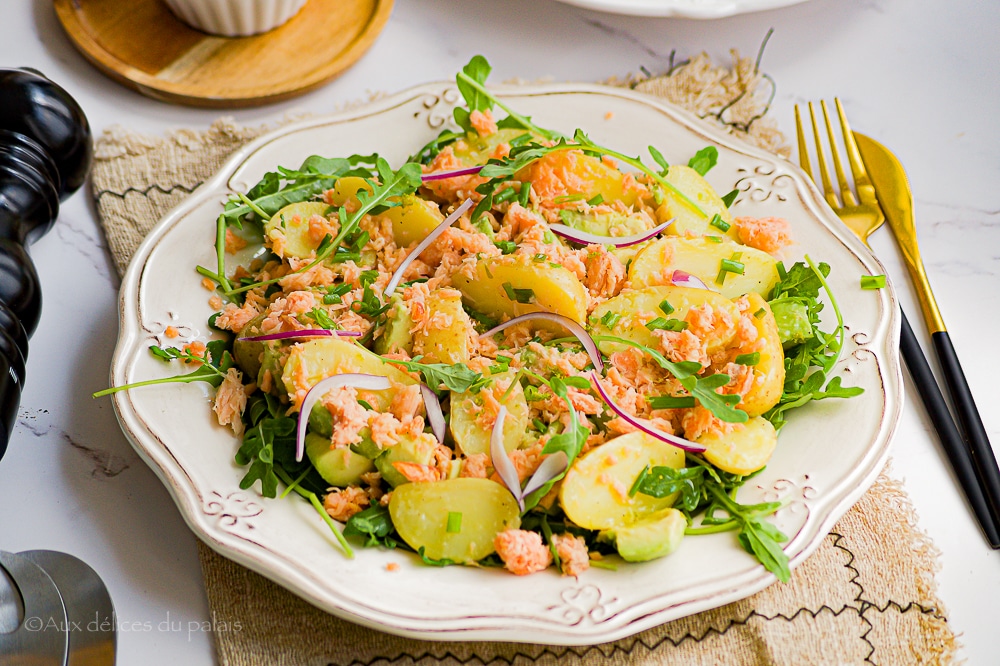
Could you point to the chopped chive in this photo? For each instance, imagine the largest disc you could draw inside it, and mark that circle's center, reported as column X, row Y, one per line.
column 567, row 198
column 719, row 223
column 662, row 324
column 671, row 401
column 486, row 268
column 730, row 198
column 519, row 295
column 638, row 481
column 752, row 358
column 540, row 257
column 731, row 265
column 525, row 195
column 596, row 201
column 505, row 194
column 454, row 522
column 610, row 318
column 713, row 239
column 872, row 281
column 666, row 307
column 367, row 405
column 760, row 313
column 506, row 247
column 548, row 237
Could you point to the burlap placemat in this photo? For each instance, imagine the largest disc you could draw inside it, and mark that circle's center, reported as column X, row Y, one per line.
column 867, row 596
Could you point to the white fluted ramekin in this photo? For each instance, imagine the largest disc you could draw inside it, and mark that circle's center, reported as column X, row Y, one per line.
column 235, row 18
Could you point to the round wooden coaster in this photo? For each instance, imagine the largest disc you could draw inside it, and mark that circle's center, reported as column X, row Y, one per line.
column 142, row 45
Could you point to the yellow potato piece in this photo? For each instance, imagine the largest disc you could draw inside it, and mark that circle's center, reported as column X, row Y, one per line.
column 637, row 306
column 345, row 190
column 470, row 437
column 288, row 229
column 744, row 450
column 769, row 373
column 315, row 360
column 475, row 149
column 553, row 288
column 413, row 219
column 571, row 172
column 687, row 220
column 444, row 338
column 656, row 263
column 594, row 493
column 420, row 513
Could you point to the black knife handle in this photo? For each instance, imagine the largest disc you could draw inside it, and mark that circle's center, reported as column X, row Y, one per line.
column 45, row 153
column 969, row 420
column 951, row 439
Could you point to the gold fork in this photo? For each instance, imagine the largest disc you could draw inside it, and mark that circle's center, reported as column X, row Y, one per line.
column 863, row 215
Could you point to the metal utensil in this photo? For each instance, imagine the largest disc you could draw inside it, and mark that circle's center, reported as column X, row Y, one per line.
column 863, row 217
column 90, row 613
column 893, row 190
column 41, row 639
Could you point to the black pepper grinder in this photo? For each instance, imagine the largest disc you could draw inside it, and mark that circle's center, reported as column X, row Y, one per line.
column 45, row 152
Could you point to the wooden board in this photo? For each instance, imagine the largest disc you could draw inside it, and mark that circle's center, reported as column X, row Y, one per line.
column 141, row 44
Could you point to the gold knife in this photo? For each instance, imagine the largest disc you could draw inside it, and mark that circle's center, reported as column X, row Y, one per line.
column 893, row 191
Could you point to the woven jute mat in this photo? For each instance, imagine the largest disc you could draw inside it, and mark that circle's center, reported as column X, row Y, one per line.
column 867, row 596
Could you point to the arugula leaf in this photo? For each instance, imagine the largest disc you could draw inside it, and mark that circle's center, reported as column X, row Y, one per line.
column 374, row 524
column 457, row 377
column 704, row 159
column 662, row 481
column 660, row 159
column 213, row 366
column 477, row 71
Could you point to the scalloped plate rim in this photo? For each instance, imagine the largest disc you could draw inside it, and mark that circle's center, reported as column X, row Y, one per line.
column 258, row 557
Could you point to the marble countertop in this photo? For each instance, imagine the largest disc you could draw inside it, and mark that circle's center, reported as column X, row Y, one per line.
column 917, row 74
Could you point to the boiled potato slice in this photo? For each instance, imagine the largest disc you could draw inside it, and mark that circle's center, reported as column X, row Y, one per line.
column 420, row 512
column 656, row 263
column 413, row 219
column 288, row 229
column 743, row 451
column 571, row 172
column 539, row 284
column 312, row 361
column 650, row 537
column 345, row 191
column 687, row 220
column 470, row 437
column 635, row 306
column 594, row 493
column 339, row 467
column 444, row 338
column 769, row 373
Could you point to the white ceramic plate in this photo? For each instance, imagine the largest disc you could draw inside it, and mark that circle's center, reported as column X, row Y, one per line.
column 695, row 9
column 828, row 454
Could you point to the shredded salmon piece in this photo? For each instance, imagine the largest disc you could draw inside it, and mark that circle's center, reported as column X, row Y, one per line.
column 698, row 421
column 207, row 284
column 349, row 417
column 215, row 302
column 231, row 400
column 605, row 273
column 320, row 227
column 342, row 503
column 235, row 317
column 482, row 122
column 171, row 332
column 522, row 551
column 475, row 466
column 233, row 242
column 526, row 461
column 196, row 348
column 769, row 234
column 574, row 558
column 417, row 473
column 392, row 566
column 406, row 402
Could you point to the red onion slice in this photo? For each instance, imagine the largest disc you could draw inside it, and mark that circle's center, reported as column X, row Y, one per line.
column 683, row 279
column 443, row 175
column 553, row 465
column 502, row 462
column 584, row 238
column 431, row 237
column 578, row 331
column 304, row 333
column 353, row 379
column 435, row 416
column 679, row 442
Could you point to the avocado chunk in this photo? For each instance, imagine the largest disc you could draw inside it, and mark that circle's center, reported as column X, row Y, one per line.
column 792, row 318
column 418, row 450
column 648, row 538
column 339, row 467
column 396, row 334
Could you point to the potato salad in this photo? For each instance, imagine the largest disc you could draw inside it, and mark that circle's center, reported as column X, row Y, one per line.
column 519, row 349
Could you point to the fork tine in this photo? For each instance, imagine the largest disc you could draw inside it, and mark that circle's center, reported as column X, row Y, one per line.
column 804, row 161
column 824, row 174
column 863, row 184
column 846, row 195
